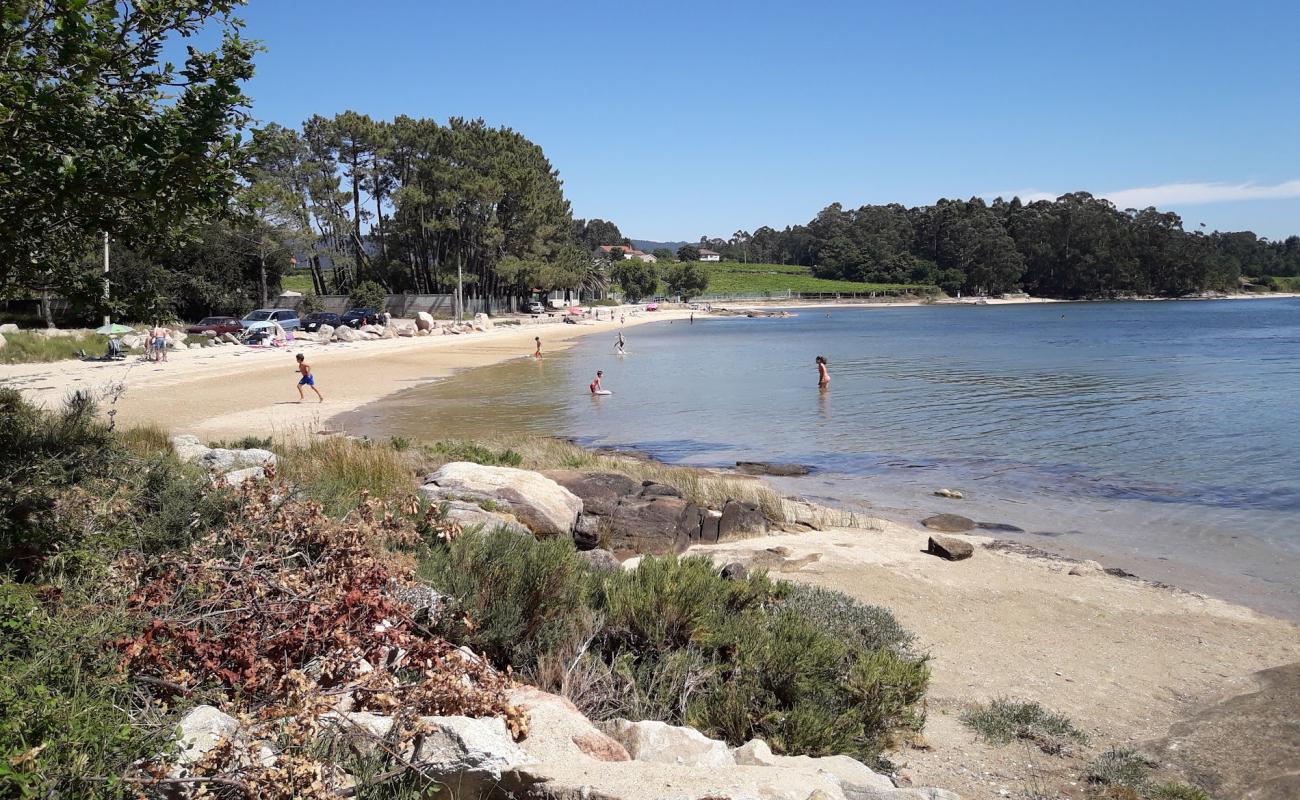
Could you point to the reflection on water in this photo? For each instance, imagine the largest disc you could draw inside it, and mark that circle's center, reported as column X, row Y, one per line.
column 1155, row 430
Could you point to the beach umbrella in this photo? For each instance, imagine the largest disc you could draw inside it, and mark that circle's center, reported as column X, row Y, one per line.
column 114, row 328
column 576, row 310
column 257, row 325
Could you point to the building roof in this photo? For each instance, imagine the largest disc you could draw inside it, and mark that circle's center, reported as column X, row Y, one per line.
column 704, row 252
column 627, row 249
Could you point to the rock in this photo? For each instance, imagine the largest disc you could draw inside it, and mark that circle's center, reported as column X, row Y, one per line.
column 543, row 505
column 8, row 327
column 653, row 489
column 223, row 460
column 345, row 333
column 740, row 520
column 406, row 329
column 423, row 321
column 735, row 571
column 951, row 494
column 949, row 548
column 710, row 526
column 482, row 322
column 470, row 514
column 767, row 468
column 661, row 743
column 948, row 523
column 131, row 341
column 188, row 448
column 361, row 731
column 655, row 526
column 425, row 601
column 586, row 533
column 201, row 729
column 239, row 477
column 3, row 341
column 600, row 492
column 468, row 752
column 558, row 731
column 1088, row 567
column 855, row 779
column 229, row 338
column 998, row 526
column 600, row 559
column 196, row 346
column 389, row 332
column 324, row 332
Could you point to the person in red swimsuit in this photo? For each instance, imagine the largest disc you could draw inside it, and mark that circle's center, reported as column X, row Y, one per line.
column 595, row 385
column 823, row 377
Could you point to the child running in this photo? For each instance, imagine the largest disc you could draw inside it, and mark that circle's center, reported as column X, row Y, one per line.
column 823, row 377
column 595, row 385
column 538, row 352
column 304, row 369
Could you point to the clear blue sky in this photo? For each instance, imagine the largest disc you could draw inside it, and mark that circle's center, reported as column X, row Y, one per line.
column 681, row 119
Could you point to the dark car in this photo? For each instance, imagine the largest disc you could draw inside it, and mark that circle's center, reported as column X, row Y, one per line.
column 313, row 321
column 218, row 325
column 356, row 317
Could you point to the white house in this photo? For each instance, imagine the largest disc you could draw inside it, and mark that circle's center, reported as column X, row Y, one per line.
column 709, row 255
column 628, row 252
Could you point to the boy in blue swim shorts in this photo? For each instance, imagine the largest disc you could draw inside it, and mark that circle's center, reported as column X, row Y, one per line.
column 304, row 369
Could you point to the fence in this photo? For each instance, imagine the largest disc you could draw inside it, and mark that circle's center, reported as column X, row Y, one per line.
column 406, row 305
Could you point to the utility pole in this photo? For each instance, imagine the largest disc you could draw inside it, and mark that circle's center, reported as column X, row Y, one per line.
column 460, row 289
column 107, row 318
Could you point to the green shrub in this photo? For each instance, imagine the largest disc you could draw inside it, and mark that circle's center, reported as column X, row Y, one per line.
column 512, row 597
column 1176, row 791
column 457, row 450
column 864, row 626
column 28, row 347
column 246, row 443
column 335, row 471
column 1004, row 721
column 368, row 294
column 1119, row 767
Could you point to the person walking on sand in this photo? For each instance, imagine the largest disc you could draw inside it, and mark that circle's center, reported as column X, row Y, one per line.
column 538, row 352
column 159, row 336
column 307, row 379
column 823, row 377
column 595, row 385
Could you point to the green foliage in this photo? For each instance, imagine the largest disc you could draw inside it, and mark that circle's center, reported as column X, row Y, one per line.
column 246, row 443
column 368, row 294
column 101, row 134
column 520, row 597
column 735, row 278
column 1119, row 767
column 28, row 347
column 637, row 278
column 311, row 303
column 336, row 471
column 1287, row 284
column 686, row 279
column 672, row 640
column 459, row 450
column 1005, row 720
column 1176, row 791
column 688, row 252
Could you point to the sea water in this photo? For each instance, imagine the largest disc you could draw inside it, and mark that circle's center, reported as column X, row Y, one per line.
column 1162, row 438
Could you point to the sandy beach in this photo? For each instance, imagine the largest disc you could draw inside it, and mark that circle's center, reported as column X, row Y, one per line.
column 235, row 391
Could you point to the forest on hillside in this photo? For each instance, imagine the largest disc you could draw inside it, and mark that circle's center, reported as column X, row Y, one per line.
column 1072, row 247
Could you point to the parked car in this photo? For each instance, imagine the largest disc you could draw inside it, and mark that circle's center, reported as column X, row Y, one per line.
column 287, row 318
column 535, row 308
column 218, row 325
column 356, row 317
column 313, row 321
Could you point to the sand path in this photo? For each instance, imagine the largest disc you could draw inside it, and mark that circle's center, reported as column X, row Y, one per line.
column 1124, row 659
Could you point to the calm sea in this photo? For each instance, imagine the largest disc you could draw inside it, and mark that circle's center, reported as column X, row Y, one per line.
column 1159, row 437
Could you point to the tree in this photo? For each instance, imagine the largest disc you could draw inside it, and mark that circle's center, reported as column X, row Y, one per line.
column 101, row 136
column 688, row 252
column 637, row 278
column 662, row 254
column 687, row 279
column 368, row 294
column 596, row 232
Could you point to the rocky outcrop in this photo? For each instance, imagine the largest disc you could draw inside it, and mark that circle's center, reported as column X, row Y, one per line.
column 233, row 467
column 949, row 548
column 661, row 743
column 201, row 729
column 471, row 515
column 768, row 468
column 855, row 779
column 472, row 751
column 546, row 507
column 948, row 523
column 600, row 559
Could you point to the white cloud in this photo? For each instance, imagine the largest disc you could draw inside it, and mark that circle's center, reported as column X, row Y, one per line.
column 1179, row 194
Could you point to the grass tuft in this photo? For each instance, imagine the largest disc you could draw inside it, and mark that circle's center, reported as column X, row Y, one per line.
column 31, row 347
column 1004, row 721
column 335, row 471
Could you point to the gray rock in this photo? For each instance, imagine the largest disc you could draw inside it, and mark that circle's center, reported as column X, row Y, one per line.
column 543, row 505
column 767, row 468
column 188, row 448
column 656, row 526
column 599, row 559
column 735, row 571
column 652, row 489
column 346, row 333
column 8, row 327
column 710, row 526
column 200, row 730
column 586, row 533
column 466, row 751
column 3, row 341
column 661, row 743
column 948, row 523
column 360, row 731
column 949, row 548
column 856, row 780
column 951, row 494
column 1088, row 567
column 239, row 477
column 740, row 520
column 600, row 491
column 998, row 526
column 223, row 460
column 471, row 514
column 426, row 602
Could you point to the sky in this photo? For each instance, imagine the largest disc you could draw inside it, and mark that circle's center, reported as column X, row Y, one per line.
column 676, row 120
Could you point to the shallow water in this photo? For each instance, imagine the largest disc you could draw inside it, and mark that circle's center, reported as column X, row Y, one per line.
column 1159, row 437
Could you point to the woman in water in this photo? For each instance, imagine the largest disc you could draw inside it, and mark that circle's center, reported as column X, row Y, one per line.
column 618, row 346
column 823, row 377
column 595, row 385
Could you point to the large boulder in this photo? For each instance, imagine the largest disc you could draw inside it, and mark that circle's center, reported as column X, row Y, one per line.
column 600, row 491
column 324, row 332
column 543, row 505
column 856, row 780
column 188, row 448
column 482, row 322
column 471, row 514
column 224, row 460
column 359, row 731
column 468, row 752
column 8, row 327
column 131, row 341
column 740, row 520
column 661, row 743
column 405, row 329
column 949, row 548
column 423, row 321
column 3, row 341
column 653, row 525
column 558, row 731
column 346, row 333
column 600, row 560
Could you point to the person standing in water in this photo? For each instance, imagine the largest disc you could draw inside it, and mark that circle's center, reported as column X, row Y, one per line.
column 307, row 379
column 823, row 377
column 595, row 385
column 618, row 346
column 538, row 352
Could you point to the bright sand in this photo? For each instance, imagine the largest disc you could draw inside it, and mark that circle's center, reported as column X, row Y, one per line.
column 1124, row 659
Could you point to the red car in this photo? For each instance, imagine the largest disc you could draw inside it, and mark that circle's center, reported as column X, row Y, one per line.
column 218, row 324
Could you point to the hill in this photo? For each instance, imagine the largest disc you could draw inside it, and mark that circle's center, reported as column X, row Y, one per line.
column 649, row 246
column 756, row 279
